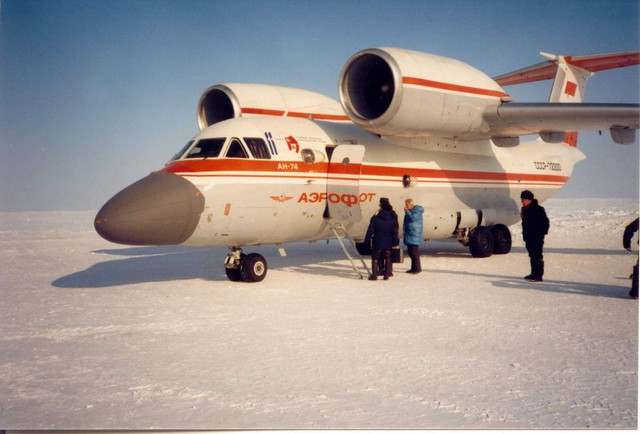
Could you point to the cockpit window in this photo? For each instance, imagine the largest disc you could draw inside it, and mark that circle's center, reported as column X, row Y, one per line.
column 258, row 148
column 182, row 151
column 236, row 150
column 207, row 148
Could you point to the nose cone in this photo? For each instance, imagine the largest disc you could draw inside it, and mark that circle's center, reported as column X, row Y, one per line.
column 162, row 208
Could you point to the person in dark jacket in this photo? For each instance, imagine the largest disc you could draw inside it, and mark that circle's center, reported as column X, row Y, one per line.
column 382, row 235
column 412, row 232
column 535, row 225
column 629, row 231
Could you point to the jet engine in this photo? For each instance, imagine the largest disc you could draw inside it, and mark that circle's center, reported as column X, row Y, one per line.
column 396, row 92
column 232, row 100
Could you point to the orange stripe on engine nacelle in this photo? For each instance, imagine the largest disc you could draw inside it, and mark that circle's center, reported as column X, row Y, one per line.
column 259, row 111
column 318, row 116
column 454, row 87
column 304, row 115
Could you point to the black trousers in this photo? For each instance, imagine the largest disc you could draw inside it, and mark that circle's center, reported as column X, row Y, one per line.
column 534, row 247
column 414, row 254
column 384, row 257
column 634, row 282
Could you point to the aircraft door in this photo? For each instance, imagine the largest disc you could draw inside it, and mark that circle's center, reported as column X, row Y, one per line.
column 343, row 184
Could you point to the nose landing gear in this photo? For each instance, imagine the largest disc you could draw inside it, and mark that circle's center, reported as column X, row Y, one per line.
column 248, row 268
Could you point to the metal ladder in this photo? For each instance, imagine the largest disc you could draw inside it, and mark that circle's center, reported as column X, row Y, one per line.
column 340, row 232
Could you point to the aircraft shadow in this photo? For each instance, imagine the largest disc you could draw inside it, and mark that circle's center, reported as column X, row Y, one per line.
column 551, row 285
column 147, row 264
column 456, row 251
column 174, row 263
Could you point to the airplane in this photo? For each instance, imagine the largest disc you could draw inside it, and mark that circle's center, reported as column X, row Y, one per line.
column 274, row 165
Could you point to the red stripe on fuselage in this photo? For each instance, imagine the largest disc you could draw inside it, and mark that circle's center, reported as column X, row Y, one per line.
column 352, row 172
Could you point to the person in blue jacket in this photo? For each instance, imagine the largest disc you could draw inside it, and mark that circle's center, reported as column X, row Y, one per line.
column 412, row 229
column 382, row 236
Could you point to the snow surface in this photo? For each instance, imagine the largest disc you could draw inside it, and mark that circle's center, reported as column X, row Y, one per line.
column 97, row 335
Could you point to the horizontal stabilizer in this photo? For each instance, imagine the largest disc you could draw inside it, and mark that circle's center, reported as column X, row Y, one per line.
column 547, row 70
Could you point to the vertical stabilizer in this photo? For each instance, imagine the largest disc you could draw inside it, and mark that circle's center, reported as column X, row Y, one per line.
column 570, row 81
column 568, row 87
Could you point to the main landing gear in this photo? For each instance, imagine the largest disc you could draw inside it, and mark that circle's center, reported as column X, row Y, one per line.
column 484, row 241
column 248, row 268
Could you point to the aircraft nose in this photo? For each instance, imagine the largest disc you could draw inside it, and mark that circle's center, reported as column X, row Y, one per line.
column 161, row 208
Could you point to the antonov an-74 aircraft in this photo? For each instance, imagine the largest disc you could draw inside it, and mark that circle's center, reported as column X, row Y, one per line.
column 274, row 165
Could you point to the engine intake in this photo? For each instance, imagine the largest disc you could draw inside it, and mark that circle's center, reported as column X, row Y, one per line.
column 395, row 92
column 217, row 104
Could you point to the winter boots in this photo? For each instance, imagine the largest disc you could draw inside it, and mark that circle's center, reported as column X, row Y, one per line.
column 537, row 270
column 634, row 283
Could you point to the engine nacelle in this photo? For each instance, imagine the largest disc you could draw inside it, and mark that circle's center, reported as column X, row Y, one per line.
column 396, row 92
column 232, row 100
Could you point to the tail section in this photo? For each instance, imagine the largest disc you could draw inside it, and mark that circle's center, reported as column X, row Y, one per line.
column 568, row 87
column 570, row 80
column 570, row 74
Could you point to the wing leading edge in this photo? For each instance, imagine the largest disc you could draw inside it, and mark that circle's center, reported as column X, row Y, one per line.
column 517, row 119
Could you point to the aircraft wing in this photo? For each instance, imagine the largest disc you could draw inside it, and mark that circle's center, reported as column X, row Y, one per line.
column 516, row 119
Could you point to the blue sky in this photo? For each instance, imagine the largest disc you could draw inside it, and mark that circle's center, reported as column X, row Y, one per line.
column 95, row 94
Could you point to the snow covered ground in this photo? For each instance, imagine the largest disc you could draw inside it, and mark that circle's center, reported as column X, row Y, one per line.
column 96, row 335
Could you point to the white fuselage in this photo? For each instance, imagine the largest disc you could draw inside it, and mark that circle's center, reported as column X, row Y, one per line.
column 282, row 199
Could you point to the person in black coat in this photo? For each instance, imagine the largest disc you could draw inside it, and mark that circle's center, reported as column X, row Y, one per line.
column 629, row 231
column 382, row 235
column 535, row 225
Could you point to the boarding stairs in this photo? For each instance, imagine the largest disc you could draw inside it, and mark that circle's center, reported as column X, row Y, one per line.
column 341, row 233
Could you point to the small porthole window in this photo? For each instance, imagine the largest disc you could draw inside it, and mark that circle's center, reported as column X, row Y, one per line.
column 345, row 161
column 308, row 156
column 408, row 181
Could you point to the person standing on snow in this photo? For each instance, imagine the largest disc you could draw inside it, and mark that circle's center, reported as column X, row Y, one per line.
column 629, row 231
column 382, row 236
column 412, row 232
column 535, row 225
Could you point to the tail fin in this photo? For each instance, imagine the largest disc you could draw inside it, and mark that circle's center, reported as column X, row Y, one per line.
column 569, row 86
column 570, row 75
column 570, row 80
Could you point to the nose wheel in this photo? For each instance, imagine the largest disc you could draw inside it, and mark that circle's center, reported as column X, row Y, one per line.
column 248, row 268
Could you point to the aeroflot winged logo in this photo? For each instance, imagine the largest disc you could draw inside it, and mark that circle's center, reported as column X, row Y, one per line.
column 293, row 144
column 282, row 198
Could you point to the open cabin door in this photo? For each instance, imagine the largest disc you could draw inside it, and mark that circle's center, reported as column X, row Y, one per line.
column 343, row 184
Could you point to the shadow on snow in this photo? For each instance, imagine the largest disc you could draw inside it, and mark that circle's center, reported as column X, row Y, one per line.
column 176, row 263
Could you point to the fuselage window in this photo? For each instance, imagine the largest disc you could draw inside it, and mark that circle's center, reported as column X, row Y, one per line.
column 207, row 148
column 236, row 150
column 182, row 151
column 258, row 148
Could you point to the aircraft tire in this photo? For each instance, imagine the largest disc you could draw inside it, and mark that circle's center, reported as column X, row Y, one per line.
column 233, row 274
column 481, row 242
column 501, row 239
column 253, row 268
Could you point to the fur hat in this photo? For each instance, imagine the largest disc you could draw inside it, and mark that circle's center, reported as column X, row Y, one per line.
column 526, row 195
